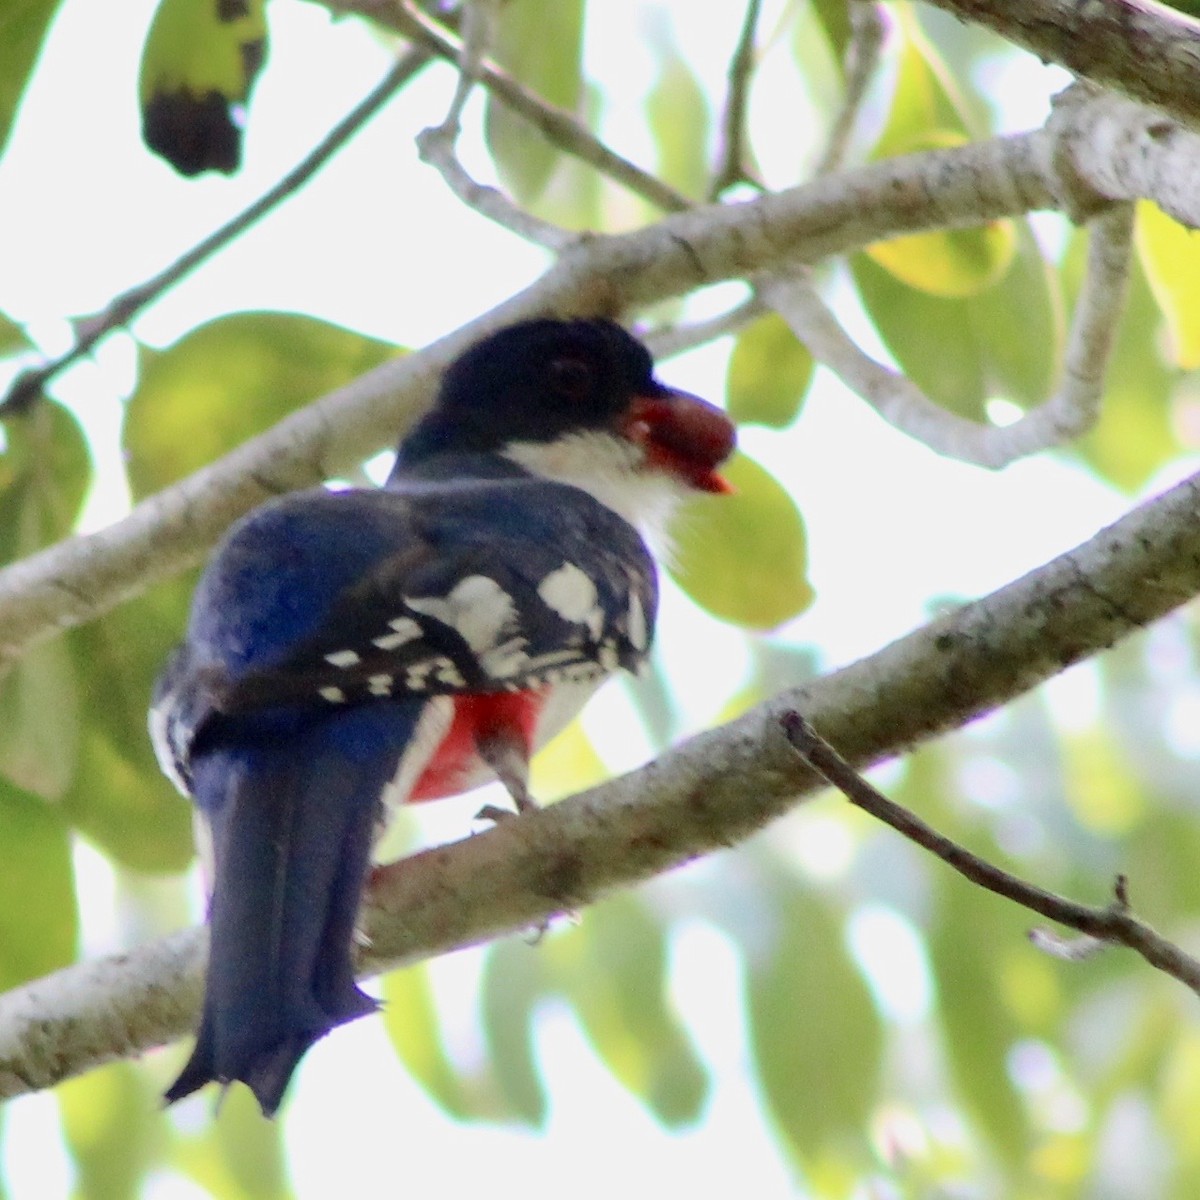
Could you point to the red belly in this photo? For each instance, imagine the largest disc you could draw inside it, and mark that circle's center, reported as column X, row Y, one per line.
column 455, row 765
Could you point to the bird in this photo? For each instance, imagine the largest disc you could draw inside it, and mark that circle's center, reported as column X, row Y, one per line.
column 348, row 651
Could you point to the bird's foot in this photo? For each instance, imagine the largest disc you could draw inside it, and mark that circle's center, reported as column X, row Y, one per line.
column 508, row 757
column 523, row 802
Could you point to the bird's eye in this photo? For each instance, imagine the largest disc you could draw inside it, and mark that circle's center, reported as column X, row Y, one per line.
column 571, row 378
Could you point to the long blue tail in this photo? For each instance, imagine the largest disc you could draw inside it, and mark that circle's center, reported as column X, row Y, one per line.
column 292, row 801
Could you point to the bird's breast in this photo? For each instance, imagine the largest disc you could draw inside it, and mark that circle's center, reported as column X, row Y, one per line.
column 441, row 758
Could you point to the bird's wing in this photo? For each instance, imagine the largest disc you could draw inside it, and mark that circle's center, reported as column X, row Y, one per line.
column 347, row 597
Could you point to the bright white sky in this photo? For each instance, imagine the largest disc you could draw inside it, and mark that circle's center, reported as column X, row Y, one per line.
column 87, row 213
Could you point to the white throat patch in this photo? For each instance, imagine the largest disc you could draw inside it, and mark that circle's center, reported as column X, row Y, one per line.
column 612, row 470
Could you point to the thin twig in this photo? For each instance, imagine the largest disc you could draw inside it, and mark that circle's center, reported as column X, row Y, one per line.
column 732, row 168
column 867, row 27
column 120, row 311
column 558, row 127
column 1114, row 924
column 891, row 394
column 438, row 144
column 1098, row 311
column 477, row 25
column 1070, row 412
column 666, row 343
column 436, row 148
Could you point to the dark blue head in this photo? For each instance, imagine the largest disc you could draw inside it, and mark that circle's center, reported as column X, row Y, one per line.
column 533, row 382
column 540, row 380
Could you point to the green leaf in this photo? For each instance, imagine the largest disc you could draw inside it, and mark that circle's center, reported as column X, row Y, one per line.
column 39, row 720
column 1170, row 255
column 229, row 380
column 23, row 28
column 567, row 765
column 1135, row 435
column 251, row 1148
column 769, row 374
column 1020, row 327
column 972, row 941
column 121, row 654
column 200, row 61
column 576, row 192
column 743, row 557
column 928, row 113
column 834, row 17
column 816, row 1037
column 512, row 985
column 119, row 798
column 1005, row 341
column 38, row 922
column 411, row 1020
column 818, row 37
column 111, row 1125
column 123, row 804
column 12, row 337
column 927, row 336
column 678, row 113
column 953, row 262
column 541, row 45
column 926, row 108
column 612, row 970
column 44, row 471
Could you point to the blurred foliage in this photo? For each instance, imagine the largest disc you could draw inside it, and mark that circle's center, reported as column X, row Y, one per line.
column 45, row 470
column 943, row 1056
column 769, row 374
column 23, row 27
column 542, row 45
column 37, row 888
column 1170, row 255
column 742, row 557
column 927, row 114
column 812, row 1018
column 677, row 101
column 118, row 798
column 12, row 336
column 228, row 380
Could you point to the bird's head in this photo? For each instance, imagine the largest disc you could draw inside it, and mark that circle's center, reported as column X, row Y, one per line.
column 577, row 402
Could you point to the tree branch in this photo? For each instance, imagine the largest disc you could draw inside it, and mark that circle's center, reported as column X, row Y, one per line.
column 710, row 792
column 1146, row 50
column 1113, row 924
column 666, row 343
